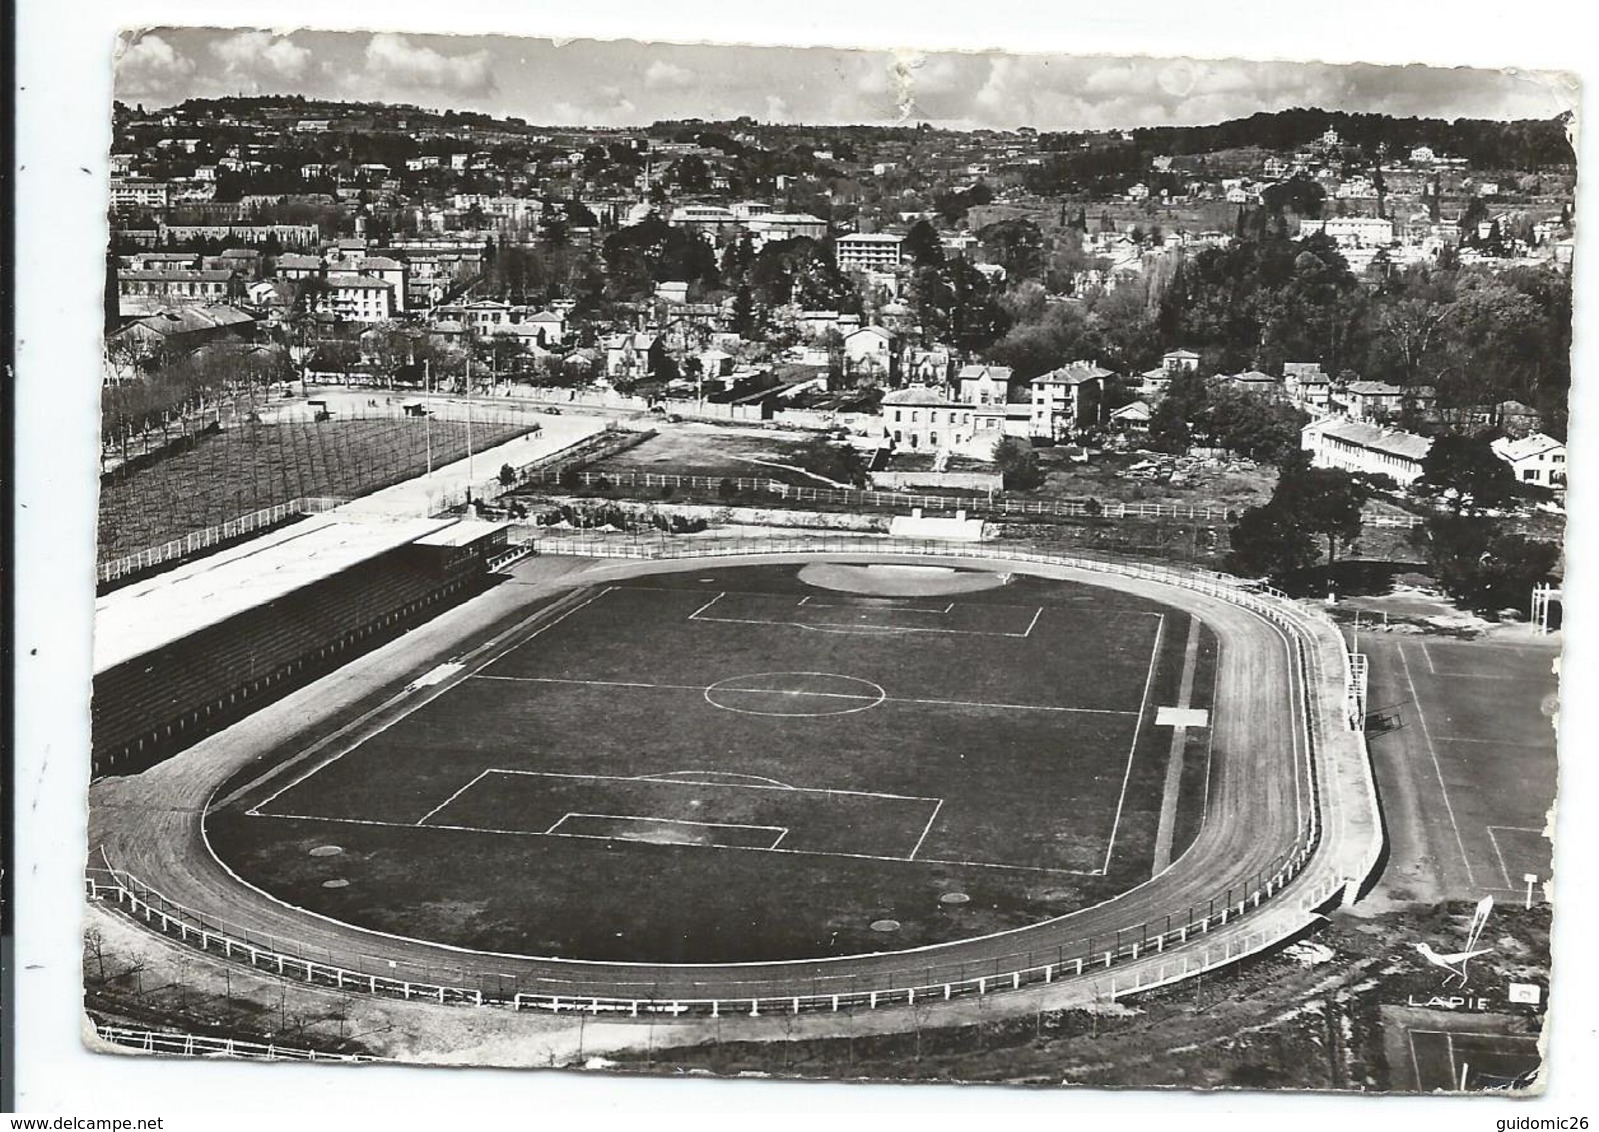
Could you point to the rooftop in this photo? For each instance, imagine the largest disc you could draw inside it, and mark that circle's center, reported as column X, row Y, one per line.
column 1393, row 441
column 1526, row 447
column 1074, row 373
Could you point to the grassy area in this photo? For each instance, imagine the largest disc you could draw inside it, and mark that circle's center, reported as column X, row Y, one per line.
column 252, row 467
column 668, row 706
column 1106, row 477
column 708, row 450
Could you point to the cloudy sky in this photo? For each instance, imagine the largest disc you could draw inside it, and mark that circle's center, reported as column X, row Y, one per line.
column 589, row 82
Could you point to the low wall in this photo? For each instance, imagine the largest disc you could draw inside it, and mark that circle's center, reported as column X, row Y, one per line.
column 940, row 527
column 955, row 481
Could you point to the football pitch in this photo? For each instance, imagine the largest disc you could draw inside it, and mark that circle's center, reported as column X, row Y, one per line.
column 730, row 764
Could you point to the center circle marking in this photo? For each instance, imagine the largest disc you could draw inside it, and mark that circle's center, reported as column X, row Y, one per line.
column 795, row 694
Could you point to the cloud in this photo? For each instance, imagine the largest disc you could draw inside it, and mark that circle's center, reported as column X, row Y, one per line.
column 150, row 66
column 661, row 74
column 394, row 59
column 252, row 58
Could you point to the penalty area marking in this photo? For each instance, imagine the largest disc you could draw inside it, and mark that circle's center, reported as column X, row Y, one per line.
column 913, row 857
column 380, row 824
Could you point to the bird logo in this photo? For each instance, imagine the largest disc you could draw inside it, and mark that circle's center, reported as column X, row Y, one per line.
column 1455, row 963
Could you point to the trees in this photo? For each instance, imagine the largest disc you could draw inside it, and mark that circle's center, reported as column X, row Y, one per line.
column 1279, row 537
column 1016, row 245
column 955, row 304
column 922, row 246
column 840, row 463
column 1267, row 299
column 1266, row 541
column 1463, row 472
column 1322, row 501
column 1480, row 565
column 1017, row 464
column 1252, row 426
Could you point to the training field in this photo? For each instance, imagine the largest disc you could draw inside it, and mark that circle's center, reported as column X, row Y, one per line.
column 1463, row 742
column 734, row 765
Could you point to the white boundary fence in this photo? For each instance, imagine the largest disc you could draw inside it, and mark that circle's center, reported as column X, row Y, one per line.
column 196, row 541
column 1230, row 925
column 205, row 1045
column 857, row 497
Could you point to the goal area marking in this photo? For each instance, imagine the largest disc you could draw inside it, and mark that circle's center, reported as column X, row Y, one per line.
column 618, row 822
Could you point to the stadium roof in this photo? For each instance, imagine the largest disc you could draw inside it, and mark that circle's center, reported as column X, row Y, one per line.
column 137, row 619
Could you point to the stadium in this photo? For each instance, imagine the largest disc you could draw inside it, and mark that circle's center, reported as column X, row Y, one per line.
column 401, row 753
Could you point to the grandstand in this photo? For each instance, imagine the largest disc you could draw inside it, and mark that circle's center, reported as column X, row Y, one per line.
column 183, row 654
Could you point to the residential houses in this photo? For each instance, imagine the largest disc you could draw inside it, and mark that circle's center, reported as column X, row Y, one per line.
column 868, row 252
column 179, row 285
column 1066, row 400
column 1358, row 446
column 1174, row 363
column 634, row 356
column 1539, row 459
column 871, row 352
column 983, row 385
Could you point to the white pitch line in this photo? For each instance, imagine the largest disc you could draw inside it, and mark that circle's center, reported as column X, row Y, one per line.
column 1503, row 871
column 926, row 829
column 1149, row 682
column 1028, row 632
column 696, row 614
column 1011, row 707
column 811, row 604
column 421, row 820
column 1210, row 737
column 727, row 785
column 1415, row 1062
column 1494, row 838
column 1483, row 1034
column 854, row 628
column 802, row 692
column 666, row 821
column 593, row 683
column 668, row 776
column 1426, row 733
